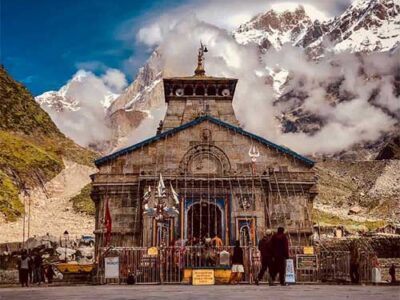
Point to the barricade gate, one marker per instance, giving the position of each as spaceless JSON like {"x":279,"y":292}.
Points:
{"x":167,"y":265}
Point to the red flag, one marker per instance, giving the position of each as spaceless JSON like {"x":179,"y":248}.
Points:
{"x":107,"y":223}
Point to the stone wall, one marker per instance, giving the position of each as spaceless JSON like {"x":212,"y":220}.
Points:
{"x":207,"y":150}
{"x":385,"y":264}
{"x":9,"y":276}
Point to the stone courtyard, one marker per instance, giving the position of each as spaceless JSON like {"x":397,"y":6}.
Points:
{"x":114,"y":292}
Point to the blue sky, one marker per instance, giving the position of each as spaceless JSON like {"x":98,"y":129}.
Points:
{"x":44,"y":42}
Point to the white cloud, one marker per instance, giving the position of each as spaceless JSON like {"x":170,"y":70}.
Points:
{"x":115,"y":79}
{"x":150,"y":35}
{"x":92,"y":94}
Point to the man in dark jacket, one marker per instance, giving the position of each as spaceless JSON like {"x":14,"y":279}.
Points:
{"x":280,"y":251}
{"x":265,"y":247}
{"x":37,"y":268}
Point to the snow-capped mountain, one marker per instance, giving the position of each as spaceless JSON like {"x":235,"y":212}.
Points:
{"x":367,"y":25}
{"x":69,"y":96}
{"x":273,"y":29}
{"x":82,"y":103}
{"x":146,"y":91}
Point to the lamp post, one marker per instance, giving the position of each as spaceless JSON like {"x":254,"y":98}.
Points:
{"x":66,"y":234}
{"x":26,"y":195}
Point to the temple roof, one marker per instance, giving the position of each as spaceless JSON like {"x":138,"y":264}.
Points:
{"x":199,"y":120}
{"x":199,"y":78}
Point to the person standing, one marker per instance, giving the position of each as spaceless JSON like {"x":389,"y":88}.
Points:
{"x":265,"y":247}
{"x":392,"y":273}
{"x":280,"y":252}
{"x":237,"y":264}
{"x":49,"y":274}
{"x":37,"y":268}
{"x":354,"y":263}
{"x":217,"y":242}
{"x":23,"y":268}
{"x":30,"y":271}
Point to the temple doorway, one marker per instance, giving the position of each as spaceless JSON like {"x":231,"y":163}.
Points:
{"x":204,"y":220}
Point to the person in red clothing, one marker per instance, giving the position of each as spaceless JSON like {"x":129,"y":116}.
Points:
{"x":280,"y":252}
{"x":265,"y":247}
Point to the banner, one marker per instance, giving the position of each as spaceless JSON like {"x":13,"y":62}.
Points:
{"x":107,"y":223}
{"x":111,"y":267}
{"x":290,"y":276}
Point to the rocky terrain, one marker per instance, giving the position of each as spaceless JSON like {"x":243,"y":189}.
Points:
{"x":51,"y":208}
{"x":364,"y":194}
{"x":364,"y":27}
{"x":32,"y":153}
{"x":272,"y":29}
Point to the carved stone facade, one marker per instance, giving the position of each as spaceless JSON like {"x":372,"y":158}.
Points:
{"x":204,"y":156}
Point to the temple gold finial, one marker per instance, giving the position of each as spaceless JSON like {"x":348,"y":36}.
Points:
{"x":200,"y":61}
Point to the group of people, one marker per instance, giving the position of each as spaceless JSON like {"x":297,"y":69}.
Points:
{"x":32,"y":270}
{"x":274,"y":250}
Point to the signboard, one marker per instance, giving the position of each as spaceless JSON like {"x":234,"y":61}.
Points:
{"x":203,"y":277}
{"x":224,"y":258}
{"x":308,"y":250}
{"x":290,"y":277}
{"x":111,"y":267}
{"x":152,"y":251}
{"x":306,"y":262}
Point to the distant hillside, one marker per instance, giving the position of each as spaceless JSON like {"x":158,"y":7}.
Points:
{"x":31,"y":146}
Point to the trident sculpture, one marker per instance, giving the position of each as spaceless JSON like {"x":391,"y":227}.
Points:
{"x":161,"y":210}
{"x":254,"y":153}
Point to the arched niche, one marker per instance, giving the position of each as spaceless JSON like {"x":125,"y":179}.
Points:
{"x":211,"y":90}
{"x":188,"y":91}
{"x":200,"y":90}
{"x":205,"y":159}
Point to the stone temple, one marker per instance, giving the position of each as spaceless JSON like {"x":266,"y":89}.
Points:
{"x":211,"y":176}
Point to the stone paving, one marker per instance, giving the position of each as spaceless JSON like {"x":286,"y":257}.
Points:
{"x":176,"y":292}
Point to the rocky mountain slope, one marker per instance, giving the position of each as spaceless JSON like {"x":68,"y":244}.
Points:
{"x":367,"y":25}
{"x":370,"y":188}
{"x":32,"y":150}
{"x":273,"y":29}
{"x":51,"y":208}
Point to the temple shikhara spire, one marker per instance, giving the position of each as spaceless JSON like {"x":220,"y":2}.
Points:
{"x":200,"y":71}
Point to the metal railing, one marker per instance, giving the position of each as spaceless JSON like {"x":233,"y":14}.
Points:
{"x":169,"y":264}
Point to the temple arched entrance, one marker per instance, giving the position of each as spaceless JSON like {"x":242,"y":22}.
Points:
{"x":204,"y":219}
